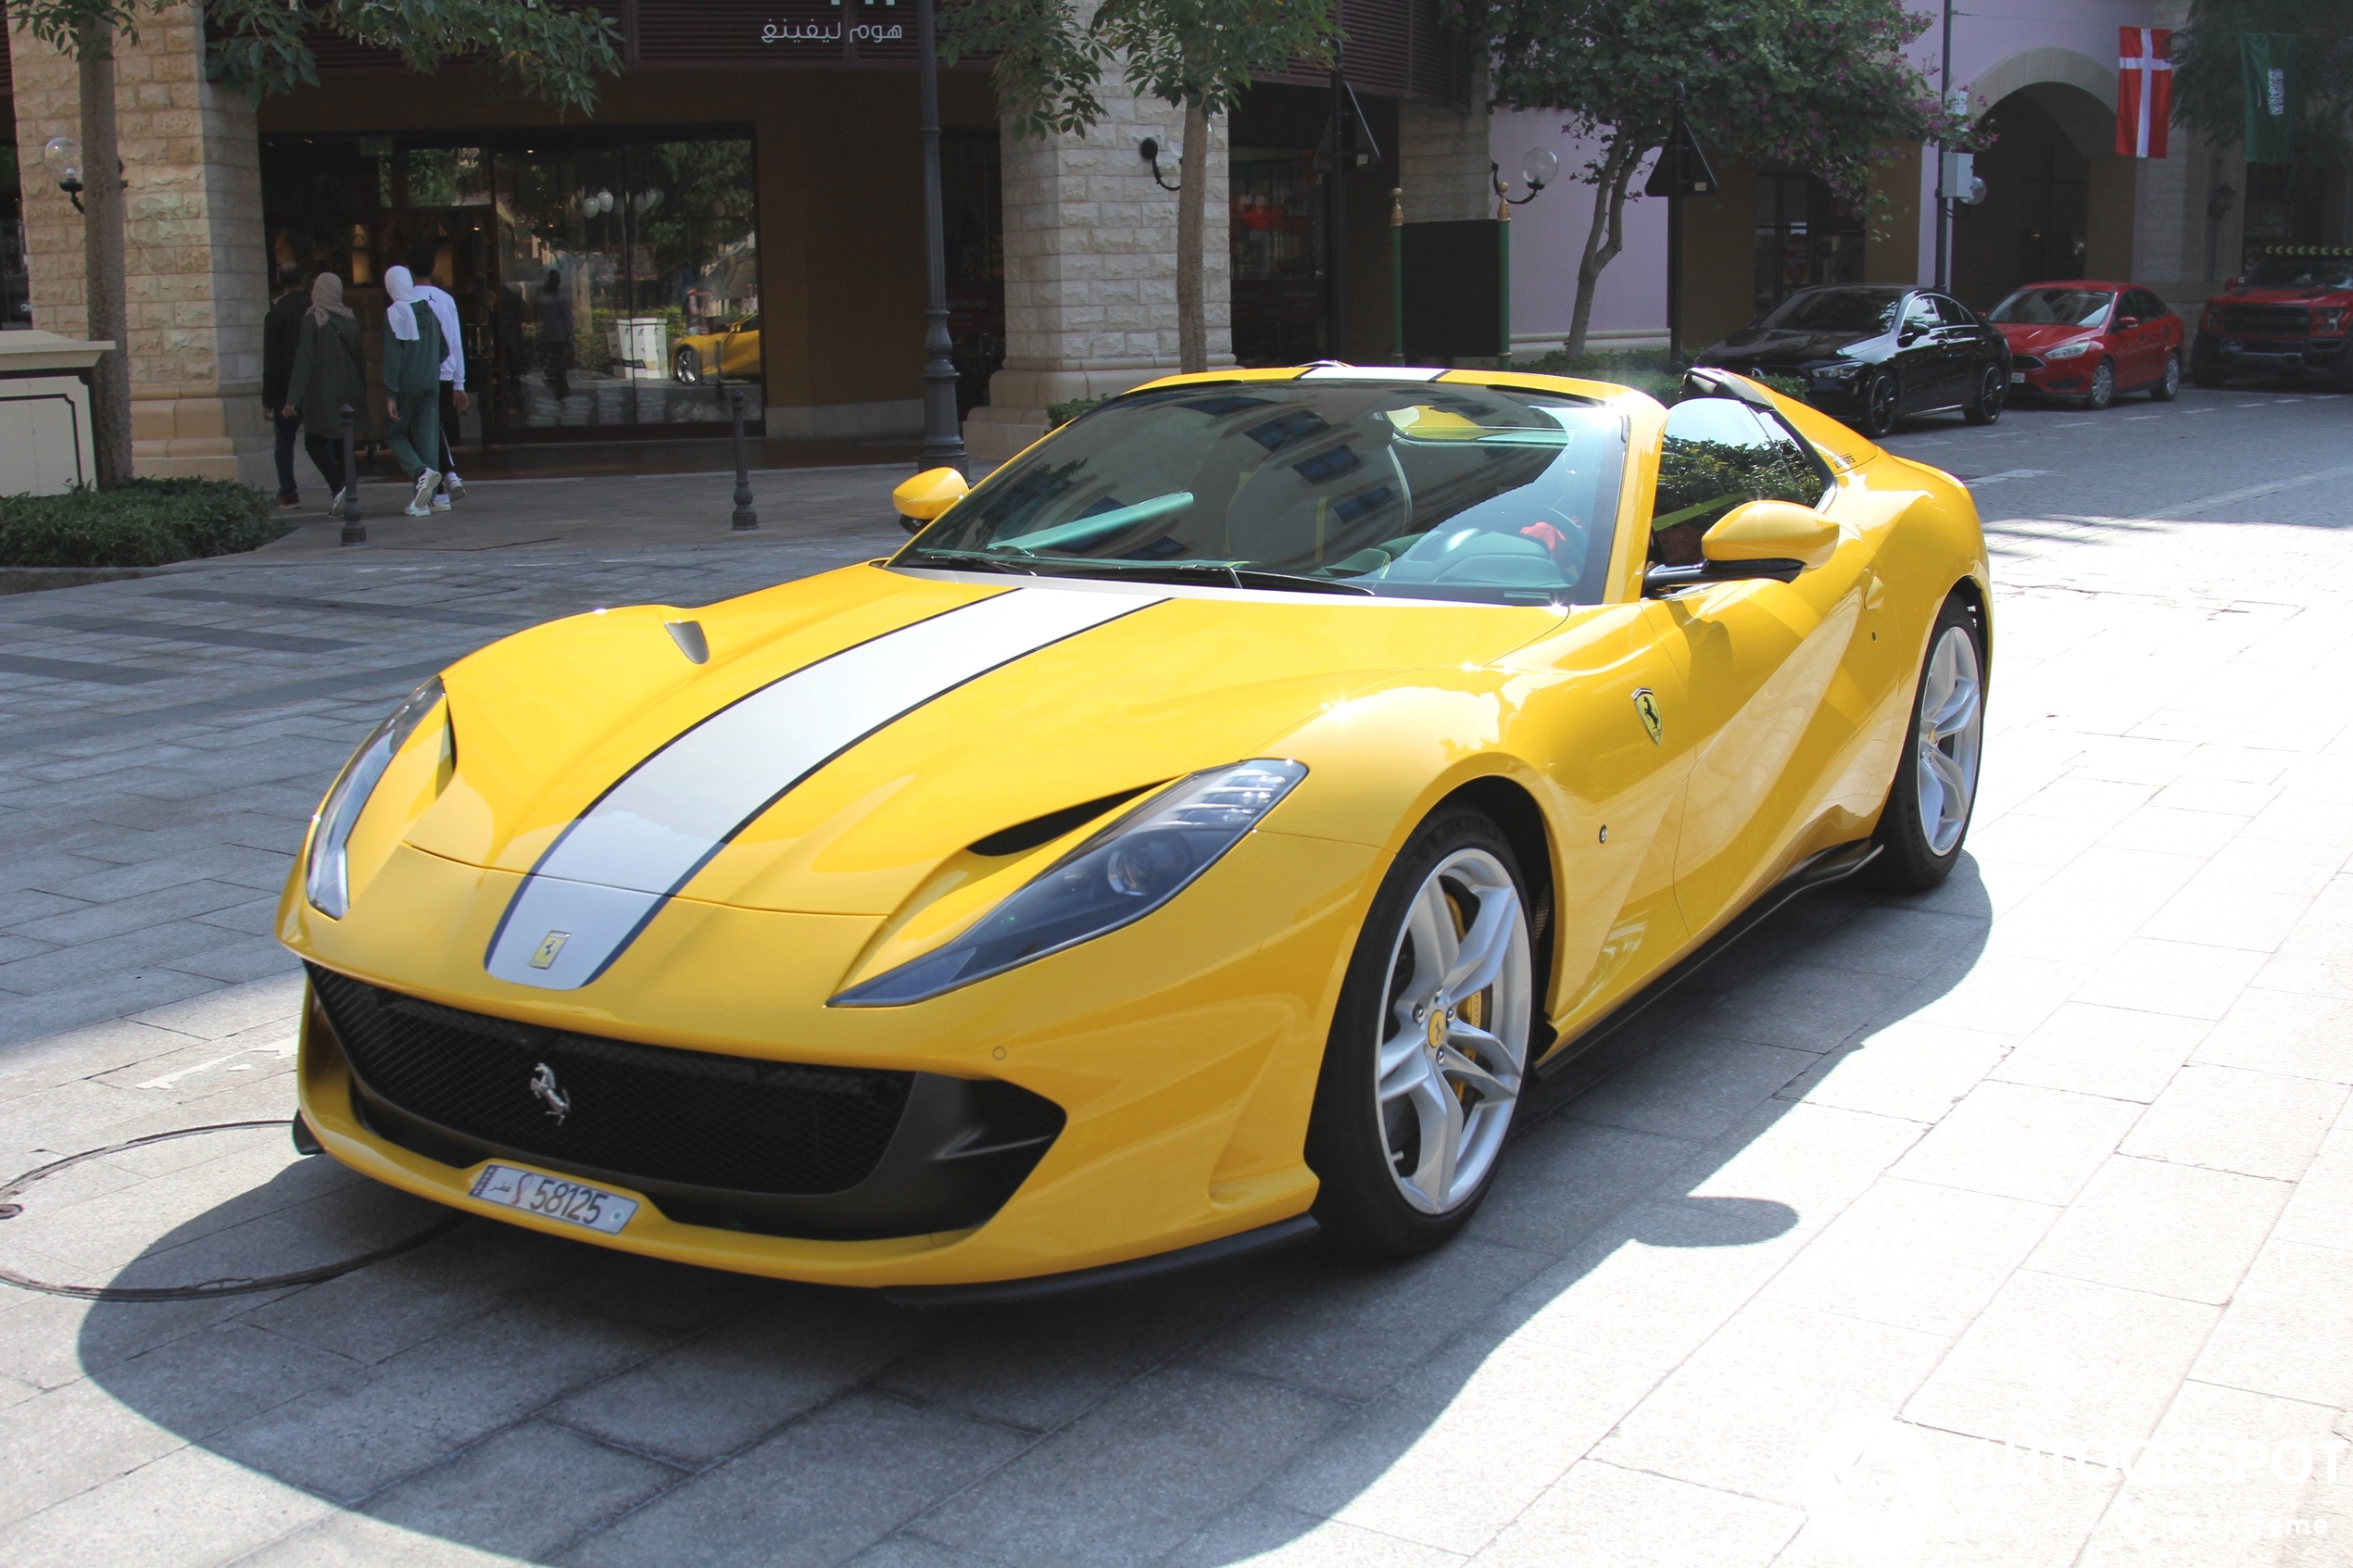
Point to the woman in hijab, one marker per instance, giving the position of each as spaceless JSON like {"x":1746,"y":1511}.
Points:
{"x":330,"y":375}
{"x":413,"y":353}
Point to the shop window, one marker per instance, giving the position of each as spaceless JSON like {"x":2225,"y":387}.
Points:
{"x":1277,"y":213}
{"x":608,"y":281}
{"x":1804,"y":235}
{"x":972,"y":193}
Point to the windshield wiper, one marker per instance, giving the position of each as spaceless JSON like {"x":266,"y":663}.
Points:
{"x":968,"y":561}
{"x":1194,"y":570}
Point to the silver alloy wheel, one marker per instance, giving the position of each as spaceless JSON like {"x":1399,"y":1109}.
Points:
{"x":1952,"y":725}
{"x":2103,"y":391}
{"x":2172,"y":374}
{"x":1460,"y":993}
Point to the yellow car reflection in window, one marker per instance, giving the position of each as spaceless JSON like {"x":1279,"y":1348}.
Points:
{"x":732,"y":351}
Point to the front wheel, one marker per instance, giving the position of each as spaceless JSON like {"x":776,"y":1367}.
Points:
{"x":2169,"y":385}
{"x":687,"y":365}
{"x":1927,"y":815}
{"x":1878,"y":399}
{"x":1428,"y":1047}
{"x":2103,"y":391}
{"x":1992,"y":389}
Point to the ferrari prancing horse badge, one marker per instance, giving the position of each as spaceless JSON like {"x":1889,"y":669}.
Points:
{"x":1648,"y":706}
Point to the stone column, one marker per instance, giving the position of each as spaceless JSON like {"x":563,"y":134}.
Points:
{"x":1091,"y":268}
{"x":1443,"y":157}
{"x":194,"y":264}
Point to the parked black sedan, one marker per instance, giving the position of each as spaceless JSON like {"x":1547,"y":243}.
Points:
{"x":1874,"y":353}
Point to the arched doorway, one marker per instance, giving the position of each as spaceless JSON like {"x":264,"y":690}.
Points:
{"x":2058,"y":203}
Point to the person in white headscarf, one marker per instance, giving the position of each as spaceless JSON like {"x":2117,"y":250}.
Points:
{"x":413,"y":352}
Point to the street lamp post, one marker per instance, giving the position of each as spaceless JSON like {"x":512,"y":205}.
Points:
{"x":1537,"y":168}
{"x":943,"y":440}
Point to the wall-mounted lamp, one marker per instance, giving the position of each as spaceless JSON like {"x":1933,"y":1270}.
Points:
{"x":63,"y":156}
{"x":1539,"y":169}
{"x":1148,"y":150}
{"x":2225,"y":197}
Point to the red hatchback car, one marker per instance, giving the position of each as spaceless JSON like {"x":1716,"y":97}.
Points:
{"x":2090,"y":341}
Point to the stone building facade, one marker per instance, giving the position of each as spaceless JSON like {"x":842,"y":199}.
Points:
{"x":196,"y":279}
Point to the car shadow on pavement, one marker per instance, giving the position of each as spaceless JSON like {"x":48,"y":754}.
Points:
{"x":541,"y":1400}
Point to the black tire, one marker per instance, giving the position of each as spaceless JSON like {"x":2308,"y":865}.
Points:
{"x":2169,"y":381}
{"x":1909,"y":861}
{"x":2103,"y":391}
{"x":1992,"y":391}
{"x":2206,"y":363}
{"x":1352,"y":1147}
{"x":1878,"y":400}
{"x":686,"y":366}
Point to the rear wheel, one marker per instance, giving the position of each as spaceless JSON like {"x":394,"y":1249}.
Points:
{"x":1927,"y":815}
{"x":2103,"y":391}
{"x":2169,"y":385}
{"x":1879,"y":400}
{"x":1992,"y":389}
{"x":1428,"y":1047}
{"x":687,"y":365}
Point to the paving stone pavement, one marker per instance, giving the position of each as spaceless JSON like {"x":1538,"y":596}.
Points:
{"x":2035,"y":1192}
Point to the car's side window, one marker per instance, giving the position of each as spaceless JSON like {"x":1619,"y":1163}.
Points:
{"x":1920,"y":314}
{"x":1954,"y":313}
{"x":1720,"y":453}
{"x":2144,"y":304}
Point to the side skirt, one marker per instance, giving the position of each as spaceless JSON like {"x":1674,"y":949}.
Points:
{"x":1820,"y":871}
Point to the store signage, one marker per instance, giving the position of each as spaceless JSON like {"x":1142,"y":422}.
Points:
{"x":823,"y":30}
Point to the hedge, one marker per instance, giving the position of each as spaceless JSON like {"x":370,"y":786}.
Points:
{"x":141,"y":522}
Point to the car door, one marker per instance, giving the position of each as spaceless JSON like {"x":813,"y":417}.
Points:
{"x":1968,"y":347}
{"x":2148,"y":336}
{"x":739,"y":350}
{"x":1922,"y":359}
{"x":1760,"y":656}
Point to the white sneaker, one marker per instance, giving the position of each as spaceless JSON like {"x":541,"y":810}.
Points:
{"x":452,"y":486}
{"x":334,"y":508}
{"x":413,"y":511}
{"x":439,"y":504}
{"x":427,"y":482}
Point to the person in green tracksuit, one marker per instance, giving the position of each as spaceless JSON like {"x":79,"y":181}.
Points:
{"x":413,"y":352}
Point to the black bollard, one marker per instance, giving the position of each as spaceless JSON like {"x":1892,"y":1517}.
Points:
{"x":353,"y":530}
{"x":744,"y":517}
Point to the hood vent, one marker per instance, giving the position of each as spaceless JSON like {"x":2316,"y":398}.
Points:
{"x":688,"y":635}
{"x":1052,"y":825}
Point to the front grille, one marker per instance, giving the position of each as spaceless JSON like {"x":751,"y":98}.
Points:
{"x":690,"y":1118}
{"x":2267,"y":321}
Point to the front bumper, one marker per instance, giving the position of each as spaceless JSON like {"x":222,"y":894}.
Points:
{"x":1182,"y":1052}
{"x":2060,"y":378}
{"x":2272,"y":353}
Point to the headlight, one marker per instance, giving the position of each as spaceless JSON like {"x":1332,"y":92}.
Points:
{"x":324,"y":879}
{"x":1845,"y":370}
{"x":2070,"y":350}
{"x":1119,"y":876}
{"x":2329,"y":320}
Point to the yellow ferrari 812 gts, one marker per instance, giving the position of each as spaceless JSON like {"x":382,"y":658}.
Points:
{"x":1212,"y":828}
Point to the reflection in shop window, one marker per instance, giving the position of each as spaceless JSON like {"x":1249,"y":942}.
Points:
{"x":1804,"y":235}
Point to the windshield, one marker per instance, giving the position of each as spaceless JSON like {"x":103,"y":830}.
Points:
{"x":1836,"y":310}
{"x":2302,"y":271}
{"x":1410,"y":490}
{"x":2053,"y":307}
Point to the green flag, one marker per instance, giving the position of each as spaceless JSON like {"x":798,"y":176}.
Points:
{"x":2267,"y":70}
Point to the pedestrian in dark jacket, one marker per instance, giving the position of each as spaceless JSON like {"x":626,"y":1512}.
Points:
{"x":329,"y":380}
{"x":413,"y":386}
{"x":553,"y":310}
{"x":280,"y":334}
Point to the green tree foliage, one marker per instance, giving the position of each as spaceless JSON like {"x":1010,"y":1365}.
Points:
{"x":556,"y":54}
{"x":2208,"y":94}
{"x":1197,"y":55}
{"x":1814,"y":84}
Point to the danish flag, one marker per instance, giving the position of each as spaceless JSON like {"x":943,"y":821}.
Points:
{"x":2144,"y":91}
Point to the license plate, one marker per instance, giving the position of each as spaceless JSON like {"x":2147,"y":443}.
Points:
{"x":2017,"y":377}
{"x":575,"y":1203}
{"x":2232,"y":346}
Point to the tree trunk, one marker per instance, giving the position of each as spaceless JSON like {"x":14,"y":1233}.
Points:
{"x":1192,"y":212}
{"x":104,"y":311}
{"x":1603,"y":240}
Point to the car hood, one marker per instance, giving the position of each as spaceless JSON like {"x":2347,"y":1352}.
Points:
{"x":849,"y":735}
{"x":2040,"y":336}
{"x":1766,"y":347}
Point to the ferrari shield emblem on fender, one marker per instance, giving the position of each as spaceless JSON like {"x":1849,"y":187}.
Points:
{"x":1648,"y":706}
{"x":553,"y":943}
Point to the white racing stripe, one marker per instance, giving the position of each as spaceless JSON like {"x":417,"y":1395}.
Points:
{"x":614,"y":867}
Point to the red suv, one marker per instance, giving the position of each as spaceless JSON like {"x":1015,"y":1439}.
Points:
{"x":2090,"y":340}
{"x":2287,"y":316}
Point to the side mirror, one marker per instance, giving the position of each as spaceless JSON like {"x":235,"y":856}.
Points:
{"x":923,"y":497}
{"x":1908,"y":336}
{"x":2126,"y":323}
{"x":1774,"y":539}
